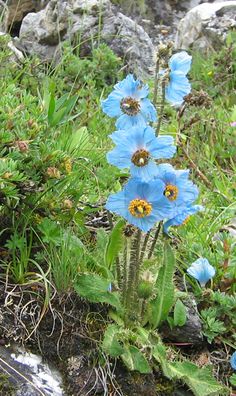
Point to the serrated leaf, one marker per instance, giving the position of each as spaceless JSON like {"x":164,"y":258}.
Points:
{"x":199,"y":380}
{"x":180,"y":313}
{"x":114,"y":243}
{"x":162,"y":304}
{"x":110,"y":344}
{"x":135,"y":360}
{"x":95,"y":289}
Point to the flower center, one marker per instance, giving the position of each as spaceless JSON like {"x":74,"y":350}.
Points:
{"x":140,"y":157}
{"x":140,"y":208}
{"x":130,"y":106}
{"x":171,"y":192}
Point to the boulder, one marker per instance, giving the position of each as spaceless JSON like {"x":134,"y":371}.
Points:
{"x":206,"y":26}
{"x":4,"y":13}
{"x":18,"y":9}
{"x":86,"y":22}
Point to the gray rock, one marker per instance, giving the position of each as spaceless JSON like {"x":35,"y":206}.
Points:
{"x":206,"y":26}
{"x":41,"y":33}
{"x":191,"y":332}
{"x":4,"y":13}
{"x":18,"y":9}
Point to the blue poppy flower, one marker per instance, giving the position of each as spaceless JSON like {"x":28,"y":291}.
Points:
{"x":202,"y":271}
{"x":141,"y":203}
{"x":233,"y":361}
{"x":182,"y":217}
{"x":179,"y":85}
{"x":128,"y":102}
{"x":179,"y":190}
{"x":137,"y":148}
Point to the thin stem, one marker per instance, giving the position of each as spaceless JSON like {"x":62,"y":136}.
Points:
{"x":133,"y":273}
{"x":155,"y":240}
{"x":163,"y":96}
{"x":143,"y":249}
{"x":109,"y":216}
{"x":156,"y":80}
{"x":118,"y":272}
{"x":125,"y":267}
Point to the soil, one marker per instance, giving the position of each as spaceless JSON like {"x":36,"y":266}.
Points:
{"x":68,"y":335}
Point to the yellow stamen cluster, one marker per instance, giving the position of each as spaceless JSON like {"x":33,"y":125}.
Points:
{"x":130,"y":106}
{"x":171,"y":192}
{"x":140,"y":157}
{"x":140,"y":208}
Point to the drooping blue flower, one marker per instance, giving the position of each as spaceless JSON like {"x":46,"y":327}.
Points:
{"x":179,"y":86}
{"x":202,"y":270}
{"x":128,"y":102}
{"x":233,"y":361}
{"x":179,"y":190}
{"x":182,"y":217}
{"x":136,"y":149}
{"x":141,"y":203}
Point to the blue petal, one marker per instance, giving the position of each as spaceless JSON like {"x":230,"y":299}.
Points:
{"x":126,"y":122}
{"x":116,"y":203}
{"x":111,"y":105}
{"x":181,"y":217}
{"x":162,"y":147}
{"x":177,"y":88}
{"x":181,"y":62}
{"x":146,"y":172}
{"x":233,"y":361}
{"x":148,"y":110}
{"x":128,"y":86}
{"x":202,"y":271}
{"x":119,"y":158}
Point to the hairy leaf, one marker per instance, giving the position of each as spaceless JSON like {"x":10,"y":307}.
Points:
{"x":95,"y":289}
{"x":135,"y":360}
{"x":110,"y":344}
{"x":180,"y":315}
{"x":162,"y":304}
{"x":115,"y":243}
{"x":199,"y":380}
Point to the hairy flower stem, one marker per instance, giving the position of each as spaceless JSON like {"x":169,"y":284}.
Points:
{"x":133,"y":275}
{"x":156,"y":80}
{"x":163,"y":96}
{"x":155,"y":240}
{"x":118,"y":272}
{"x":144,"y":246}
{"x":126,"y":252}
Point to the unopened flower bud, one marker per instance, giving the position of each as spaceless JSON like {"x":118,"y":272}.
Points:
{"x":67,"y":204}
{"x":22,"y":145}
{"x":68,"y":165}
{"x":53,"y":172}
{"x":145,"y":289}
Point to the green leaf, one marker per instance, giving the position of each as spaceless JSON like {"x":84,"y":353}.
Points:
{"x":180,"y":313}
{"x":162,"y":304}
{"x":135,"y":360}
{"x":233,"y":380}
{"x":110,"y":344}
{"x":95,"y":289}
{"x":114,"y":243}
{"x":199,"y":380}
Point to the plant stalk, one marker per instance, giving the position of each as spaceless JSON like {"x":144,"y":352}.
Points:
{"x":163,"y":96}
{"x":155,"y":240}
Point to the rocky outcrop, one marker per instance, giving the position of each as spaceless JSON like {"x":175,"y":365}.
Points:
{"x":87,"y":22}
{"x":3,"y":16}
{"x":18,"y":9}
{"x":206,"y":26}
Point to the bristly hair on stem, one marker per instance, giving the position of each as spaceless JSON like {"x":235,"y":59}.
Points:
{"x":163,"y":95}
{"x":151,"y":251}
